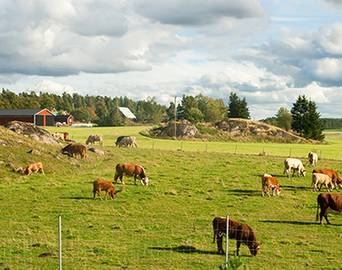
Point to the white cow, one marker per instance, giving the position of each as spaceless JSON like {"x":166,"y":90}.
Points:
{"x":127,"y":141}
{"x":295,"y":165}
{"x":312,"y":156}
{"x":322,"y":179}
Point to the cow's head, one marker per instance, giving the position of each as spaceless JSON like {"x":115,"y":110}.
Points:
{"x":303,"y":171}
{"x":145,"y":181}
{"x":18,"y":170}
{"x":254,"y":247}
{"x":112,"y":194}
{"x":278,"y":191}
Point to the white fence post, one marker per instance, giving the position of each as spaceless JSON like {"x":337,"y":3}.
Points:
{"x":60,"y":240}
{"x":227,"y":230}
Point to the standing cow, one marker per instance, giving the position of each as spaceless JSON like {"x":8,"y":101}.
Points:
{"x":95,"y":138}
{"x":241,"y":232}
{"x":269,"y":182}
{"x":131,"y":170}
{"x":312,"y":157}
{"x":294,"y":165}
{"x":329,"y":203}
{"x":127,"y":141}
{"x":332,"y":174}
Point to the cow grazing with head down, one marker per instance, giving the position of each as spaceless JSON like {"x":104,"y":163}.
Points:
{"x":312,"y":156}
{"x":329,"y":203}
{"x":99,"y":185}
{"x":332,"y":174}
{"x":241,"y":232}
{"x":268,"y":182}
{"x":95,"y":138}
{"x":131,"y":170}
{"x":322,"y":179}
{"x":29,"y":169}
{"x":127,"y":142}
{"x":74,"y":149}
{"x":294,"y":165}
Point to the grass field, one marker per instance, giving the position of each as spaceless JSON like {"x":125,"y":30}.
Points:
{"x":168,"y":224}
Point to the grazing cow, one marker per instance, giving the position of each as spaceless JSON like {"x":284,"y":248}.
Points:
{"x":295,"y":165}
{"x":131,"y":170}
{"x":74,"y":149}
{"x":312,"y":156}
{"x":58,"y":135}
{"x":269,"y":182}
{"x":99,"y":185}
{"x":119,"y":139}
{"x":322,"y":179}
{"x":241,"y":232}
{"x":95,"y":138}
{"x":66,"y":136}
{"x":332,"y":174}
{"x":35,"y":167}
{"x":329,"y":203}
{"x":127,"y":141}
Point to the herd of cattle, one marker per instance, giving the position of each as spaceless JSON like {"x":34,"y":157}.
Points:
{"x":242,"y":233}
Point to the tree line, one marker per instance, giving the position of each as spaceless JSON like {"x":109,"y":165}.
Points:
{"x":303,"y":117}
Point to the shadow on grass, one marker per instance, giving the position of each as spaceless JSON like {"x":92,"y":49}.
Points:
{"x":77,"y":198}
{"x":298,"y":222}
{"x":185,"y":249}
{"x":239,"y":192}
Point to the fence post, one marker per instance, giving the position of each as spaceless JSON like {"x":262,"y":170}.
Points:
{"x":60,"y":240}
{"x":227,"y":233}
{"x":206,"y":147}
{"x":235,"y":149}
{"x":290,"y":151}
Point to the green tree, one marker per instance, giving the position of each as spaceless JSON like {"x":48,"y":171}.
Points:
{"x":284,"y":118}
{"x":213,"y":110}
{"x":306,"y":120}
{"x":237,"y":108}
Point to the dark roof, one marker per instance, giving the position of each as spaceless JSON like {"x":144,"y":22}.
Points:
{"x":63,"y":116}
{"x":14,"y":112}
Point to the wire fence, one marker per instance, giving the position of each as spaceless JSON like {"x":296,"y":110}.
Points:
{"x":99,"y":243}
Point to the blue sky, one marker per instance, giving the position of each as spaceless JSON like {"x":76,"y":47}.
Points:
{"x":266,"y":51}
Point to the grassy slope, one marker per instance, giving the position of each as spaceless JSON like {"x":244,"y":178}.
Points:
{"x":166,"y":224}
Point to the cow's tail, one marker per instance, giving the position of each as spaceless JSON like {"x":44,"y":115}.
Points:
{"x":318,"y":199}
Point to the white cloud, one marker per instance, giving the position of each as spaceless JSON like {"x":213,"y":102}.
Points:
{"x":52,"y":87}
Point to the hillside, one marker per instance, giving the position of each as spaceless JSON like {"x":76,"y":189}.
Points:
{"x":233,"y":129}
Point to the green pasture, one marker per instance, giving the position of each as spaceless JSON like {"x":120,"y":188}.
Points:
{"x":167,"y":224}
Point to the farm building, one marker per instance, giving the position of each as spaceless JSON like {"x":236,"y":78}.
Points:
{"x":64,"y":119}
{"x":122,"y":113}
{"x":39,"y":117}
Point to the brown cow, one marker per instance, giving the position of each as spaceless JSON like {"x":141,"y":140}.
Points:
{"x":241,"y":232}
{"x":75,"y":149}
{"x":332,"y":174}
{"x":35,"y":167}
{"x":329,"y":203}
{"x":99,"y":185}
{"x":131,"y":170}
{"x":269,"y":182}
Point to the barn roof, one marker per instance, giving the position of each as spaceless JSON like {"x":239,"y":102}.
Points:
{"x":127,"y":112}
{"x":15,"y":112}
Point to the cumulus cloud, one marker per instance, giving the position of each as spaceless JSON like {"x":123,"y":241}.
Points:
{"x":52,"y":87}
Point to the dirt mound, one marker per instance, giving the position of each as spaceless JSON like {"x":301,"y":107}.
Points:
{"x":32,"y":131}
{"x":243,"y":127}
{"x":183,"y":130}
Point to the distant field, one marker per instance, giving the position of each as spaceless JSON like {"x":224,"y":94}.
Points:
{"x":168,"y":224}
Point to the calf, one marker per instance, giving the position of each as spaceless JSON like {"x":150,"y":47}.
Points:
{"x":312,"y":156}
{"x":322,"y":179}
{"x":269,"y":182}
{"x":99,"y":185}
{"x":35,"y":167}
{"x":74,"y":149}
{"x":241,"y":232}
{"x":132,"y":170}
{"x":329,"y":203}
{"x":295,"y":165}
{"x":332,"y":174}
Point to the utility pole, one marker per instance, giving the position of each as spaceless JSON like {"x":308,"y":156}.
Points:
{"x":175,"y":118}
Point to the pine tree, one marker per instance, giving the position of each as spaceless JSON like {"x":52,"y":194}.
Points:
{"x":306,"y":120}
{"x":237,"y":108}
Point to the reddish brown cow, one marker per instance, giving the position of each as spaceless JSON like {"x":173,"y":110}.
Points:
{"x":329,"y":203}
{"x":74,"y":149}
{"x":269,"y":182}
{"x":99,"y":185}
{"x":241,"y":232}
{"x":131,"y":170}
{"x":332,"y":174}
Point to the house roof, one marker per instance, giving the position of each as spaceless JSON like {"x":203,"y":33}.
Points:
{"x":16,"y":112}
{"x":127,"y":112}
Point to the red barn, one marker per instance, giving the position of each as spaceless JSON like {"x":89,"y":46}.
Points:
{"x":64,"y":119}
{"x":39,"y":117}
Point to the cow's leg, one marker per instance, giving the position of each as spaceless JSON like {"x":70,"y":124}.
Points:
{"x":273,"y":191}
{"x":99,"y":192}
{"x":106,"y":194}
{"x":122,"y":182}
{"x":94,"y":191}
{"x":116,"y":179}
{"x":238,"y":243}
{"x":135,"y":180}
{"x":219,"y":243}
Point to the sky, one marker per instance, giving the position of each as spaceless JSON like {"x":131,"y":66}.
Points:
{"x":266,"y":51}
